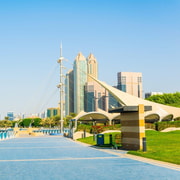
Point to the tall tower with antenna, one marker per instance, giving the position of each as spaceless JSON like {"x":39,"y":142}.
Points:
{"x":80,"y":79}
{"x":61,"y":87}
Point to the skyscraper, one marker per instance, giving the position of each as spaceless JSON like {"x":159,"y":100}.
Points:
{"x":80,"y":79}
{"x":130,"y":82}
{"x":69,"y":92}
{"x":95,"y":95}
{"x":10,"y":115}
{"x":53,"y":112}
{"x":82,"y":92}
{"x":92,"y":67}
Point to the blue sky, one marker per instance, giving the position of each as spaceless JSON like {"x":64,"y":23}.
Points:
{"x":124,"y":35}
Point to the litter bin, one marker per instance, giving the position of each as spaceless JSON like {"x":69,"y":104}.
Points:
{"x":100,"y":139}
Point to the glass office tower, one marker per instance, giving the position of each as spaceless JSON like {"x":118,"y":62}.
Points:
{"x":80,"y":79}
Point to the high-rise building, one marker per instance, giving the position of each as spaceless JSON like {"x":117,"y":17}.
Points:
{"x":80,"y":79}
{"x":113,"y":103}
{"x":130,"y":82}
{"x":82,"y":92}
{"x":94,"y":93}
{"x":10,"y":116}
{"x":92,"y":67}
{"x":53,"y":112}
{"x":95,"y":97}
{"x":69,"y":92}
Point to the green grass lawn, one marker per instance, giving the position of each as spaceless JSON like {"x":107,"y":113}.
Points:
{"x":90,"y":140}
{"x":163,"y":146}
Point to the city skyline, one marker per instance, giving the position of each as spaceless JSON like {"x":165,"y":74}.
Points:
{"x":123,"y":35}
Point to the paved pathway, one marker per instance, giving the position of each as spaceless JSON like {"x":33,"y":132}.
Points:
{"x":58,"y":158}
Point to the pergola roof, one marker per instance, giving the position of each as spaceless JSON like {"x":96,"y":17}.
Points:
{"x":99,"y":115}
{"x":159,"y":112}
{"x":129,"y":100}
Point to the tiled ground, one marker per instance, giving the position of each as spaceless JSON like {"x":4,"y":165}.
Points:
{"x":59,"y":158}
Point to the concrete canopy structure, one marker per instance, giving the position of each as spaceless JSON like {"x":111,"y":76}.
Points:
{"x":159,"y":112}
{"x":96,"y":116}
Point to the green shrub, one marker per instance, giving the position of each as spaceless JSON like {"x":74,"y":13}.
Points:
{"x":86,"y":127}
{"x":98,"y":128}
{"x":177,"y":119}
{"x":163,"y":125}
{"x":149,"y":126}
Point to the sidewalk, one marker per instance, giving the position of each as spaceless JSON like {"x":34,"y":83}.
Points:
{"x":138,"y":158}
{"x":58,"y":158}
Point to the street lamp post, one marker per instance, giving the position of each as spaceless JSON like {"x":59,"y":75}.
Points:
{"x":61,"y":87}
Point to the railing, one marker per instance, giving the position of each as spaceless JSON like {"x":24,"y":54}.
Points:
{"x":51,"y":131}
{"x":7,"y":134}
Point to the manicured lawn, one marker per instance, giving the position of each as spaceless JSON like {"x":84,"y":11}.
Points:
{"x":163,"y":146}
{"x":90,"y":140}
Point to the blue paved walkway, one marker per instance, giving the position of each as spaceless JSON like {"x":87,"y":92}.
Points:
{"x":58,"y":158}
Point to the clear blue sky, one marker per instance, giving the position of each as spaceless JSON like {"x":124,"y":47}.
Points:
{"x":124,"y":35}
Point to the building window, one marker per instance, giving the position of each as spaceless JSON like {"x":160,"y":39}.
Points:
{"x":123,"y":80}
{"x":123,"y":87}
{"x":139,"y":79}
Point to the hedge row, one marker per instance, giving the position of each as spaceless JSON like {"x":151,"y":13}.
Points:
{"x":97,"y":129}
{"x":159,"y":126}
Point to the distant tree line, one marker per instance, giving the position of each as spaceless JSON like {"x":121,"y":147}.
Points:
{"x":171,"y":99}
{"x":48,"y":122}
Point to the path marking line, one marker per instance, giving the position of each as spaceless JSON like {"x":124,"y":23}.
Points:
{"x":37,"y":142}
{"x":1,"y":148}
{"x":59,"y":159}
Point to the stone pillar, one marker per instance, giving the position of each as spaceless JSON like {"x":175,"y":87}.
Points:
{"x":133,"y":128}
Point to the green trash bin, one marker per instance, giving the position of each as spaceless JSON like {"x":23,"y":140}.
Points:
{"x":100,"y":139}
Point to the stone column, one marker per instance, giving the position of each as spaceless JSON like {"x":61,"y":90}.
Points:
{"x":133,"y":128}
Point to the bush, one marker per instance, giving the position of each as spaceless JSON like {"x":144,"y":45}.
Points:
{"x":149,"y":126}
{"x":163,"y":125}
{"x":177,"y":119}
{"x":97,"y":129}
{"x":82,"y":127}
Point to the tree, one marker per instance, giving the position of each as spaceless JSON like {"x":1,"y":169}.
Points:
{"x":26,"y":122}
{"x":172,"y":99}
{"x":36,"y":122}
{"x":47,"y":122}
{"x":68,"y":118}
{"x":6,"y":118}
{"x":56,"y":120}
{"x":6,"y":123}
